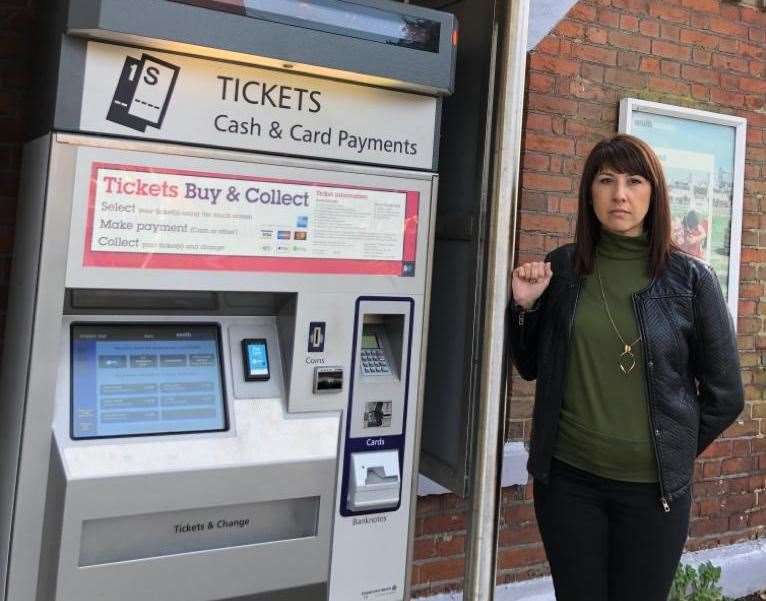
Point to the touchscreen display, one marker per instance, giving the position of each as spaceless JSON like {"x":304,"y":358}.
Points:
{"x":256,"y":356}
{"x":130,"y":380}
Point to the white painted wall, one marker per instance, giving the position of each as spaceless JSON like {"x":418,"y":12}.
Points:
{"x":543,"y":16}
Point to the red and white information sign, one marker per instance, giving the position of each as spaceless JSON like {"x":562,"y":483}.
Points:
{"x":150,"y":218}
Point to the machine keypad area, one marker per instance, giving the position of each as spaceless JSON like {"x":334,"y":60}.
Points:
{"x":374,"y":363}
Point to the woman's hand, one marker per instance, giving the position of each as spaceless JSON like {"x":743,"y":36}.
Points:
{"x":529,"y":281}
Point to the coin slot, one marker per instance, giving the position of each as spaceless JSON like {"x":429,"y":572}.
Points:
{"x":328,"y":379}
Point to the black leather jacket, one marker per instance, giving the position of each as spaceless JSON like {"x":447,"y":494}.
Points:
{"x":693,"y":381}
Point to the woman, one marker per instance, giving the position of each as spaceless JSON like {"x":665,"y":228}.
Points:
{"x":637,"y":373}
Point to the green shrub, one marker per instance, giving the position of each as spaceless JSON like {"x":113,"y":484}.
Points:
{"x":697,"y":585}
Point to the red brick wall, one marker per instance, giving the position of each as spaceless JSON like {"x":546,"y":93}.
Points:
{"x":704,"y":54}
{"x":18,"y":22}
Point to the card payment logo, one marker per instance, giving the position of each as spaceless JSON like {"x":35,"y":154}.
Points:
{"x":143,"y":93}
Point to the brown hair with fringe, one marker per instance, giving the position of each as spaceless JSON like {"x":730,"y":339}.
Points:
{"x":627,"y":154}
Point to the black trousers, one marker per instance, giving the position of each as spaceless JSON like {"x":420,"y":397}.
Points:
{"x":608,"y":540}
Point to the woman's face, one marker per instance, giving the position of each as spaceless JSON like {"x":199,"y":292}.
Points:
{"x":621,"y":201}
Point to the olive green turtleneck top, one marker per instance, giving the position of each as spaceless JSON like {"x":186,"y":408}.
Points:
{"x":604,"y":426}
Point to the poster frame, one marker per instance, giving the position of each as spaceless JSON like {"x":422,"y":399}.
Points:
{"x":630,"y":105}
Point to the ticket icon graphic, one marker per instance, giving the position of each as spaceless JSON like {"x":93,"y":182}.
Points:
{"x":143,"y":93}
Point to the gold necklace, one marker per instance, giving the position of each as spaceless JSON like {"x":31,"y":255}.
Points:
{"x":627,"y":360}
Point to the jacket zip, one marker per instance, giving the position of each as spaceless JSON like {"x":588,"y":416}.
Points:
{"x":663,"y":498}
{"x":574,"y":311}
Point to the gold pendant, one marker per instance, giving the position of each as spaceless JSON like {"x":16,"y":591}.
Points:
{"x":627,"y":360}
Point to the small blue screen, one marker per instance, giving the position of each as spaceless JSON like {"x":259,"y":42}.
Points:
{"x":131,"y":380}
{"x":257,"y":359}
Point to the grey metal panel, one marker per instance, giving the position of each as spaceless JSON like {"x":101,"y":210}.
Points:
{"x":144,"y":536}
{"x":451,"y":392}
{"x":44,"y":297}
{"x":337,"y":312}
{"x":306,"y":593}
{"x":437,"y":134}
{"x":486,"y":461}
{"x":419,"y":414}
{"x":367,"y":555}
{"x":53,"y":520}
{"x":285,"y":331}
{"x":446,"y":422}
{"x":264,"y":327}
{"x":148,"y":20}
{"x":48,"y":355}
{"x":266,"y":455}
{"x":45,"y":76}
{"x":204,"y":574}
{"x":271,"y":446}
{"x":18,"y":335}
{"x":175,"y":302}
{"x":71,"y":78}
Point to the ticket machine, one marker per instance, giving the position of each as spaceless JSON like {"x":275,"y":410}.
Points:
{"x":213,"y":363}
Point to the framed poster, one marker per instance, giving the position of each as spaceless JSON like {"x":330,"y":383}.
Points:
{"x":703,"y":156}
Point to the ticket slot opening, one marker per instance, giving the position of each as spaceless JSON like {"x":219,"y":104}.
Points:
{"x":82,"y":301}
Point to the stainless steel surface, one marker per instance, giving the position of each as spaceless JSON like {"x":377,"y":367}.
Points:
{"x":356,"y":573}
{"x":142,"y":536}
{"x":267,"y":462}
{"x":421,"y":386}
{"x":482,"y":532}
{"x":44,"y":282}
{"x":115,"y":478}
{"x":103,"y":479}
{"x":20,"y":324}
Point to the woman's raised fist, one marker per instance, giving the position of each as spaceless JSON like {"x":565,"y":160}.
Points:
{"x":529,"y":281}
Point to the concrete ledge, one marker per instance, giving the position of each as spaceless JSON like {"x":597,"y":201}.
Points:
{"x":514,"y":471}
{"x":743,"y":572}
{"x":743,"y":566}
